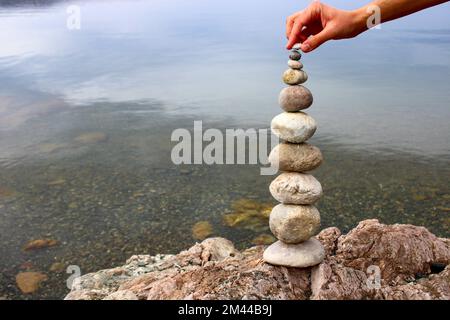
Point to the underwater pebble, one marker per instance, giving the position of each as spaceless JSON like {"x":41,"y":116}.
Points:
{"x":296,"y":188}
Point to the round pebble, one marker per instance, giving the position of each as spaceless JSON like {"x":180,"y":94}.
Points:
{"x":295,"y":55}
{"x":294,"y":224}
{"x":295,"y":98}
{"x":293,"y":77}
{"x":297,"y":46}
{"x":293,"y":127}
{"x":296,"y":157}
{"x":293,"y":64}
{"x":296,"y":188}
{"x":301,"y":255}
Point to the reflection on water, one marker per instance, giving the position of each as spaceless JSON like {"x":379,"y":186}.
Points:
{"x":86,"y":118}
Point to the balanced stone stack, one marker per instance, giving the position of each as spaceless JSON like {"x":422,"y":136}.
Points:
{"x":296,"y":220}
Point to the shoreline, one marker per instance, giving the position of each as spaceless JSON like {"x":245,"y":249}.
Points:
{"x":411,"y":262}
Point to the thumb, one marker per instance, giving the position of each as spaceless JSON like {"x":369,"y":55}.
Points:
{"x":316,"y":40}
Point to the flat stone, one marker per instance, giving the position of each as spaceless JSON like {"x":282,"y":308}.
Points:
{"x":297,"y":46}
{"x":296,"y":157}
{"x":295,"y":55}
{"x":293,"y":64}
{"x":301,"y":255}
{"x":296,"y":188}
{"x":295,"y":98}
{"x":293,"y":77}
{"x":293,"y":127}
{"x":294,"y":223}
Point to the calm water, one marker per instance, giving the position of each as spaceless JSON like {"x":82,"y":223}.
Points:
{"x":86,"y":117}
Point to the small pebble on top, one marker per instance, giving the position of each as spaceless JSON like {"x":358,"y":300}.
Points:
{"x":295,"y":55}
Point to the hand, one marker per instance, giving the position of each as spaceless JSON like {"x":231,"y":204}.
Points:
{"x":319,"y":23}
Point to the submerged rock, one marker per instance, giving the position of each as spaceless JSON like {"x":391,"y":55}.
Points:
{"x":264,"y":239}
{"x":28,"y":282}
{"x":248,"y":214}
{"x":57,"y":267}
{"x":40,"y":244}
{"x":7,"y":193}
{"x":51,"y":147}
{"x":201,"y":230}
{"x":214,"y":269}
{"x":91,"y":137}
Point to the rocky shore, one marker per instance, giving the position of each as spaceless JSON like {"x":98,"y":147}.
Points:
{"x":372,"y":261}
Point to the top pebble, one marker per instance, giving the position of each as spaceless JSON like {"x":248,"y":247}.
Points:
{"x":295,"y":55}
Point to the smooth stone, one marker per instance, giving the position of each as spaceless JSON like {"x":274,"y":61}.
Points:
{"x":296,"y":188}
{"x":293,"y":64}
{"x":293,"y":223}
{"x":293,"y":77}
{"x":295,"y":55}
{"x":301,"y":255}
{"x":295,"y":157}
{"x":297,"y":46}
{"x":28,"y":282}
{"x":295,"y":98}
{"x":293,"y":127}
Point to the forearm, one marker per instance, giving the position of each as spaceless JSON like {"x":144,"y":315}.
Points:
{"x":391,"y":10}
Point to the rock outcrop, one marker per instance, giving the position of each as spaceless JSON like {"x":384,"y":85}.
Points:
{"x":372,"y":261}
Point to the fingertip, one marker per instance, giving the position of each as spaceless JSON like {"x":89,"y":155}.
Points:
{"x":289,"y":45}
{"x":306,"y":47}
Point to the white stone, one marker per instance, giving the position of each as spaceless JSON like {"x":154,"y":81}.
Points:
{"x":296,"y":188}
{"x":301,"y":255}
{"x":294,"y":223}
{"x":295,"y":127}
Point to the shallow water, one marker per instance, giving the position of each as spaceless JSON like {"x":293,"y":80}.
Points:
{"x":137,"y":70}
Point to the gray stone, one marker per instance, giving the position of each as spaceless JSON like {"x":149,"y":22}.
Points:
{"x":297,"y":46}
{"x":296,"y":157}
{"x":293,"y":77}
{"x":295,"y":55}
{"x":294,"y":223}
{"x":295,"y":98}
{"x":293,"y":127}
{"x":301,"y":255}
{"x":293,"y":64}
{"x":296,"y":188}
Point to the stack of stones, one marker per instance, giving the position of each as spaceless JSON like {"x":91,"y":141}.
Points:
{"x":295,"y":220}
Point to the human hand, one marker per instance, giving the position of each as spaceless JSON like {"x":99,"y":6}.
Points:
{"x":319,"y":23}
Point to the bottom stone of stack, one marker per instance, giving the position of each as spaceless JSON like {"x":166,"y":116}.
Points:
{"x":301,"y":255}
